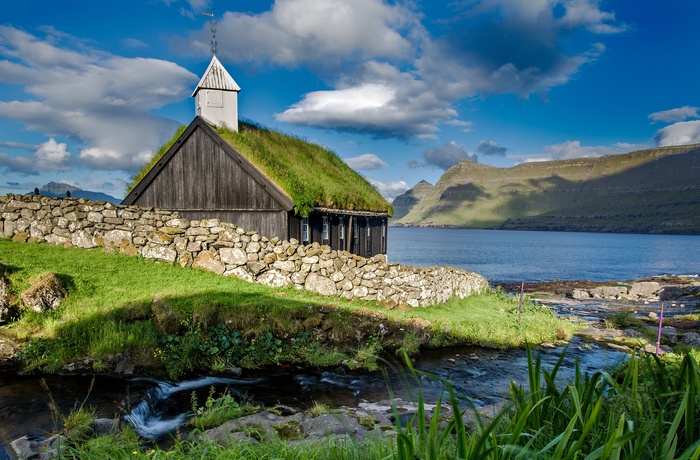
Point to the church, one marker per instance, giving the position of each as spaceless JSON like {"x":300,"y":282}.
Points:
{"x":278,"y":185}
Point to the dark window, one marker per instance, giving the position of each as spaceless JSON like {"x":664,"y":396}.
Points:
{"x":305,"y":230}
{"x":325,"y":236}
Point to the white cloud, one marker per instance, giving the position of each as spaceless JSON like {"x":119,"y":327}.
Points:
{"x":681,"y":133}
{"x":587,"y":13}
{"x":389,"y":190}
{"x":673,"y":115}
{"x":466,"y":126}
{"x":312,"y":32}
{"x":134,"y":43}
{"x":101,"y":100}
{"x":493,"y":47}
{"x":573,"y":149}
{"x":366,"y":162}
{"x":49,"y":156}
{"x":447,"y":155}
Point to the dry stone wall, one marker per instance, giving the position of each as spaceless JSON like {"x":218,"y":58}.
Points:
{"x":228,"y":250}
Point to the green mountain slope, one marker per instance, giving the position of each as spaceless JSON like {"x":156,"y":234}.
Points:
{"x":649,"y":191}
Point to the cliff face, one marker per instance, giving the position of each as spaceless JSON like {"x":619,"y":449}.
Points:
{"x":649,"y":191}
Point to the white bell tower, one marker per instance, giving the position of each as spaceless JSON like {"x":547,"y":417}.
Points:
{"x":216,"y":96}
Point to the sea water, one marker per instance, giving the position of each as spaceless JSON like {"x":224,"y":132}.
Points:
{"x":514,"y":256}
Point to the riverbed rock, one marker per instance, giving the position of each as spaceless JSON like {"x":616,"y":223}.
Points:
{"x":691,"y":338}
{"x":44,"y":293}
{"x":5,"y":300}
{"x":26,"y":448}
{"x":644,"y":290}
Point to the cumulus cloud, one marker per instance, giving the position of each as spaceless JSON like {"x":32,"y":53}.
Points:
{"x":389,"y":190}
{"x":319,"y":34}
{"x":491,"y":47}
{"x":681,"y":133}
{"x":673,"y":115}
{"x":447,"y":155}
{"x":366,"y":162}
{"x":111,"y":118}
{"x":50,"y":156}
{"x":490,"y":148}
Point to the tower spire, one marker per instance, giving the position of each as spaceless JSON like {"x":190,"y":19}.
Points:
{"x":212,"y":27}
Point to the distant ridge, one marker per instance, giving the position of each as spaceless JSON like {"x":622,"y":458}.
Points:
{"x":59,"y":189}
{"x":648,"y":191}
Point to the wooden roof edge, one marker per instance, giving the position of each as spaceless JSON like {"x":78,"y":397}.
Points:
{"x":352,"y":212}
{"x":155,"y":170}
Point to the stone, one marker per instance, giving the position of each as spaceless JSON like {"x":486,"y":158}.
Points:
{"x":159,"y":237}
{"x":82,"y":239}
{"x":162,"y":253}
{"x":5,"y":299}
{"x":255,"y":267}
{"x":206,"y":260}
{"x":117,"y":238}
{"x":320,"y":284}
{"x":233,"y":256}
{"x":691,"y":338}
{"x":275,"y":279}
{"x":284,"y":265}
{"x":240,"y":273}
{"x":580,"y":294}
{"x":644,"y":289}
{"x":44,"y":293}
{"x":332,"y":424}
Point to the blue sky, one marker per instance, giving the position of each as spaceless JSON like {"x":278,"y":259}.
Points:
{"x":400,"y":90}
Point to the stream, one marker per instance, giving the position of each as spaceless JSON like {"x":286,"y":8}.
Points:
{"x":158,"y":408}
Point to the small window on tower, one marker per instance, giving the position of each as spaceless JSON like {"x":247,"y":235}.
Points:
{"x":215,"y":98}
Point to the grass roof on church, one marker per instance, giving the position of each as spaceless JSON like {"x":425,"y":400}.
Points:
{"x":311,"y":175}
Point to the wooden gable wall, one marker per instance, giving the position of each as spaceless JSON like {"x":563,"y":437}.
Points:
{"x":202,"y":177}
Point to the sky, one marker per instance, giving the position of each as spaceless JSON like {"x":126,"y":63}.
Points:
{"x":400,"y":90}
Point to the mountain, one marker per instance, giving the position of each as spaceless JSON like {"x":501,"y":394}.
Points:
{"x":403,"y":203}
{"x":649,"y":191}
{"x":57,"y":189}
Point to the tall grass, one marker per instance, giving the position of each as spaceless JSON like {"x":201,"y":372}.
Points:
{"x":647,"y":411}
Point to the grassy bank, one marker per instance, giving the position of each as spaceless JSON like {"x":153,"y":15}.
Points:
{"x":183,"y":319}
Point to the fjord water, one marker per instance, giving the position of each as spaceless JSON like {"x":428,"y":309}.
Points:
{"x":514,"y":256}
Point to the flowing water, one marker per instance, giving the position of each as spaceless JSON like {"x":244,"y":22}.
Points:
{"x":158,"y":408}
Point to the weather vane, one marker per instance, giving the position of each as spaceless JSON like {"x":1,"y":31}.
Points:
{"x":212,"y":26}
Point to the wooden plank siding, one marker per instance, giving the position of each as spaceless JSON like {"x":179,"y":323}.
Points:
{"x":203,"y":177}
{"x":356,"y":241}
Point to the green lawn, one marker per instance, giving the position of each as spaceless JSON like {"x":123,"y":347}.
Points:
{"x":110,"y":309}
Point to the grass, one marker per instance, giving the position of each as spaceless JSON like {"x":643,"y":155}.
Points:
{"x":217,"y":410}
{"x":205,"y":321}
{"x":311,"y":175}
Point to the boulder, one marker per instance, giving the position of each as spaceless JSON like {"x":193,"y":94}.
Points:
{"x":644,"y":289}
{"x":206,"y":261}
{"x":320,"y":284}
{"x":580,"y":294}
{"x":45,"y":293}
